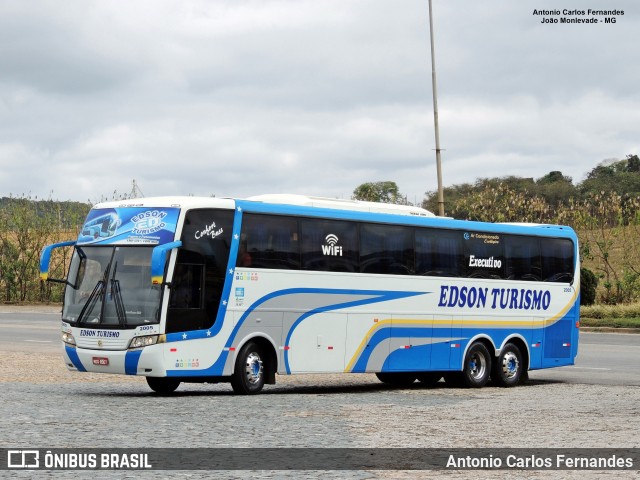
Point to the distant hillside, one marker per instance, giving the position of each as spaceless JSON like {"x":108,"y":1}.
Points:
{"x":66,"y":215}
{"x":620,"y":176}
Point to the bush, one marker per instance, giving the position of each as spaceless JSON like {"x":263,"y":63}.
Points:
{"x":588,"y":286}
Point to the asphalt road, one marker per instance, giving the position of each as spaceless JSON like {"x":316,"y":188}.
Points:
{"x":603,"y":358}
{"x":30,"y":331}
{"x":595,"y":404}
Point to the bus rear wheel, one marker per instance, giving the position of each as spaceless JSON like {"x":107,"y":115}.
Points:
{"x":163,"y":385}
{"x":248,"y":376}
{"x":508,"y":368}
{"x":399,"y":379}
{"x":476,"y":369}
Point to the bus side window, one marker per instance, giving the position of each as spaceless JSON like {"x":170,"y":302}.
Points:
{"x":522,"y":258}
{"x":386,"y":249}
{"x":439,"y":253}
{"x":186,"y":310}
{"x":484,"y":255}
{"x":186,"y":287}
{"x":270,"y":241}
{"x":329,"y":245}
{"x":557,"y":260}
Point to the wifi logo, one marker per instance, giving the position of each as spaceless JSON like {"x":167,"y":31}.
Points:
{"x":331,"y":247}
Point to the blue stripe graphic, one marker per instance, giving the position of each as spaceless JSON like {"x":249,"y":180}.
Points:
{"x":75,"y":359}
{"x":376,"y":296}
{"x":131,"y":360}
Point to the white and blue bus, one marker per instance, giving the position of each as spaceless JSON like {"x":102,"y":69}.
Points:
{"x":221,"y":290}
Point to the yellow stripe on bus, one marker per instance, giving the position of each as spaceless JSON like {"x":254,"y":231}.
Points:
{"x":461,"y":323}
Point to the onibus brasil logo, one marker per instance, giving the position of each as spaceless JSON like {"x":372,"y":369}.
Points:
{"x":332,"y":248}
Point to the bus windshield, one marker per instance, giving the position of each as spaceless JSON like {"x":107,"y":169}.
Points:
{"x":111,"y":286}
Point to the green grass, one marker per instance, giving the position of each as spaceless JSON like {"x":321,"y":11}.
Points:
{"x":614,"y":316}
{"x":610,"y":322}
{"x":631,"y":310}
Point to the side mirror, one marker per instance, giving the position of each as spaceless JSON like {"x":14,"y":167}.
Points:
{"x":45,"y":259}
{"x":159,"y":259}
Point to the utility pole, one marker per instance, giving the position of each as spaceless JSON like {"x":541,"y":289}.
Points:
{"x":435,"y":118}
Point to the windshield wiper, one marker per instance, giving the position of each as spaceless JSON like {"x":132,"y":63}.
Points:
{"x":117,"y":297}
{"x":98,"y":291}
{"x":91,"y":301}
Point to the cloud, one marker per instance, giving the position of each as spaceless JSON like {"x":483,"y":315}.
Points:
{"x":245,"y":97}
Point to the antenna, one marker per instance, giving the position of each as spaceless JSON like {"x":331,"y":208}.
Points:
{"x":135,"y":190}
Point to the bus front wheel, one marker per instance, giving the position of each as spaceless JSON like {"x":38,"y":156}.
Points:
{"x":248,"y":376}
{"x":163,"y":385}
{"x":477,"y":366}
{"x":508,"y":368}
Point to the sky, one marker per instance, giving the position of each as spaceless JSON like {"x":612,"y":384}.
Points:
{"x":246,"y":97}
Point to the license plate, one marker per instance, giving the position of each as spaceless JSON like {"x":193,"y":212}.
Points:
{"x":100,"y":361}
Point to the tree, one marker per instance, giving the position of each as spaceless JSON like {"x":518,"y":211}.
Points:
{"x":633,"y":163}
{"x":384,"y":192}
{"x":588,"y":286}
{"x":553,"y":177}
{"x":455,"y":195}
{"x":502,"y":203}
{"x":26,"y":226}
{"x":557,"y":189}
{"x":621,"y":176}
{"x":24,"y":231}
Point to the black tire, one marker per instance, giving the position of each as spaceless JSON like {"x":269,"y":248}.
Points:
{"x":476,"y":368}
{"x":429,"y":378}
{"x":249,"y":375}
{"x":508,"y":368}
{"x":163,"y":385}
{"x":398,"y":379}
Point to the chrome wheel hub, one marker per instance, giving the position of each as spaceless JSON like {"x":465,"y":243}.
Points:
{"x":510,"y":365}
{"x":477,"y":365}
{"x":253,"y":368}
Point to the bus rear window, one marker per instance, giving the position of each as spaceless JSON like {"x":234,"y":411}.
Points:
{"x":557,"y":260}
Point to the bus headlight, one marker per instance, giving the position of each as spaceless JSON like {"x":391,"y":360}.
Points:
{"x":138,"y":342}
{"x":68,"y":338}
